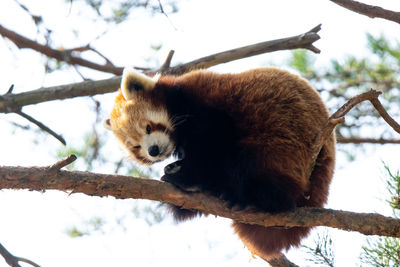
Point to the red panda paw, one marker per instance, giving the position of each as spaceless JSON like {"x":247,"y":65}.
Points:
{"x":177,"y":175}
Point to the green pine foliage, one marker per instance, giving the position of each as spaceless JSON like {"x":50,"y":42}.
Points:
{"x":351,"y":76}
{"x":338,"y":82}
{"x":322,"y":253}
{"x":385,"y":251}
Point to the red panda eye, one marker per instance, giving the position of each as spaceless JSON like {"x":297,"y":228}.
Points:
{"x":148,"y":129}
{"x":137,"y":147}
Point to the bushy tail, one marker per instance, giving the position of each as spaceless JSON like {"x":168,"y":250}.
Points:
{"x":267,"y":242}
{"x":180,"y":214}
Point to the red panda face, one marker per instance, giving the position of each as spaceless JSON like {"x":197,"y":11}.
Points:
{"x":143,"y":128}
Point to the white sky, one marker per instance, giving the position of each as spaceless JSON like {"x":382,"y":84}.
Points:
{"x":33,"y":224}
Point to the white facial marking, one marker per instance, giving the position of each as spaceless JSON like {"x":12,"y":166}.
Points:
{"x":160,"y":139}
{"x":159,"y":116}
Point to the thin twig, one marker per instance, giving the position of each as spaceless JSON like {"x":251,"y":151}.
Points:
{"x":160,"y":6}
{"x":381,"y":110}
{"x":108,"y":61}
{"x":360,"y":140}
{"x":368,"y":10}
{"x":87,"y":47}
{"x":17,"y":125}
{"x":36,"y":19}
{"x":42,"y":126}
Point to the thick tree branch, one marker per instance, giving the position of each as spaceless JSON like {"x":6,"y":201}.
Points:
{"x":14,"y":102}
{"x":368,"y":10}
{"x":304,"y":40}
{"x":12,"y":260}
{"x":122,"y":187}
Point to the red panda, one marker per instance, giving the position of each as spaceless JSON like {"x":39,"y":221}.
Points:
{"x":244,"y":137}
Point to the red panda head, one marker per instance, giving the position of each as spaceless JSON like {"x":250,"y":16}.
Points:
{"x":141,"y":125}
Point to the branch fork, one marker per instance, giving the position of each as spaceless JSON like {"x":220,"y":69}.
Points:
{"x":338,"y":117}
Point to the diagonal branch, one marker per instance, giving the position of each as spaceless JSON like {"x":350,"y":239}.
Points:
{"x":304,"y":40}
{"x":381,"y":110}
{"x":61,"y":55}
{"x":42,"y":126}
{"x":122,"y":187}
{"x":338,"y":117}
{"x":368,"y":10}
{"x":13,"y":102}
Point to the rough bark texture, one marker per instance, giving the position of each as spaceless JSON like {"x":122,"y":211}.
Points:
{"x":122,"y":187}
{"x":369,"y":10}
{"x":14,"y":102}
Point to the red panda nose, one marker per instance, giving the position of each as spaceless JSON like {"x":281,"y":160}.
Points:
{"x":154,"y":151}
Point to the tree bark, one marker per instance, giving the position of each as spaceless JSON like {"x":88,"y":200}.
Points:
{"x":14,"y":102}
{"x":123,"y":187}
{"x":368,"y":10}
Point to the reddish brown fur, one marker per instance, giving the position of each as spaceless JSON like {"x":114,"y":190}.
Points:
{"x":284,"y":147}
{"x":280,"y":115}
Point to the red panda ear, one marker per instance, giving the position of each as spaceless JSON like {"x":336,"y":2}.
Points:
{"x":107,"y":124}
{"x":133,"y":82}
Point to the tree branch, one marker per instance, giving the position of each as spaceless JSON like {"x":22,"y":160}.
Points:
{"x":381,"y":110}
{"x":304,"y":40}
{"x":368,"y":10}
{"x":336,"y":118}
{"x":14,"y":102}
{"x":42,"y":126}
{"x":12,"y":260}
{"x":360,"y":140}
{"x":122,"y":187}
{"x":61,"y":55}
{"x":280,"y":261}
